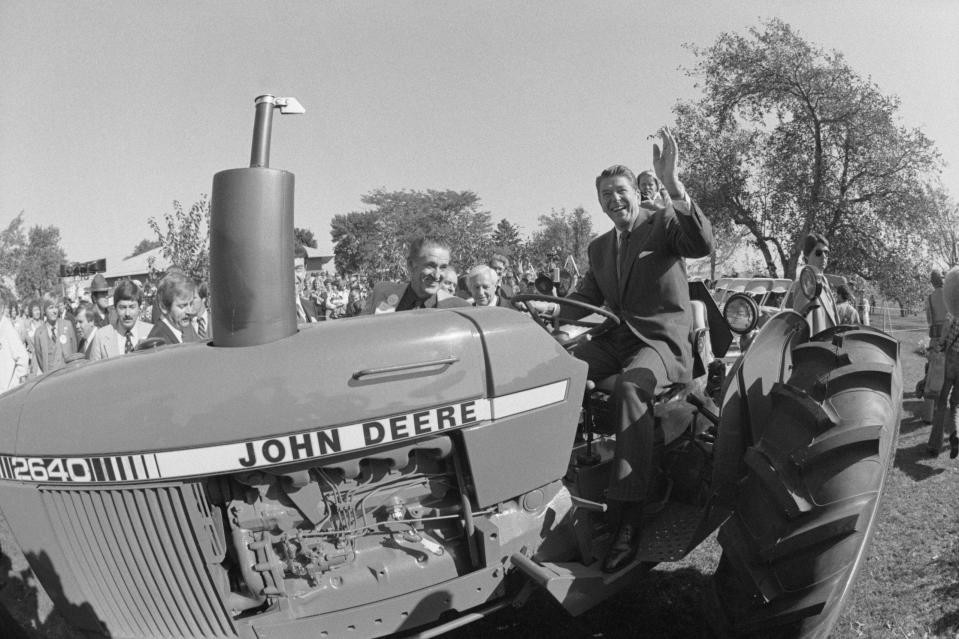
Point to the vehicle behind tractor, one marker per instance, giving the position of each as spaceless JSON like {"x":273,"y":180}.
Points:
{"x":441,"y":466}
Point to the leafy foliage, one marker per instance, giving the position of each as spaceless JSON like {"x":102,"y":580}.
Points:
{"x":303,"y":237}
{"x":39,"y":268}
{"x":565,"y":233}
{"x":144,"y":245}
{"x":942,"y":227}
{"x":12,"y":244}
{"x":374,"y":243}
{"x":506,"y":238}
{"x":788,"y":139}
{"x":185,"y":238}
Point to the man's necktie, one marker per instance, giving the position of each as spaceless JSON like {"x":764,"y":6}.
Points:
{"x":201,"y":327}
{"x":53,"y":333}
{"x":128,"y":346}
{"x":621,"y":270}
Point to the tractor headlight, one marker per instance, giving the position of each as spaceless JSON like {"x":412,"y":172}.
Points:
{"x":741,"y":313}
{"x":809,"y":284}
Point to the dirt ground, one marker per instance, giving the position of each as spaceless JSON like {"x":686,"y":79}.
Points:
{"x":908,"y":587}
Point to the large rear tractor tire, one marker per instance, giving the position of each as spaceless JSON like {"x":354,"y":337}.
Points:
{"x":807,"y":507}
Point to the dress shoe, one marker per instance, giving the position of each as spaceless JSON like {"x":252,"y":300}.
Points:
{"x":953,"y":446}
{"x":624,"y":548}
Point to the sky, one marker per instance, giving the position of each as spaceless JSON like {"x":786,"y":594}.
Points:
{"x":111,"y":110}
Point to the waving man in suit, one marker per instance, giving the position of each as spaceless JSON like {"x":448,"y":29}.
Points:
{"x":637,"y":270}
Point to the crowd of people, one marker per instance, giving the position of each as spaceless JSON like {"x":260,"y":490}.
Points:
{"x":43,"y":335}
{"x":490,"y":283}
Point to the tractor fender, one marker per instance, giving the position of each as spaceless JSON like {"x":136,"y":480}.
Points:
{"x":746,"y":399}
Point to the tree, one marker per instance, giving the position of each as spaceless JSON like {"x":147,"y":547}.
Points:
{"x":567,"y":233}
{"x":788,"y":139}
{"x":303,"y":237}
{"x":39,"y":269}
{"x":374,"y":243}
{"x":12,"y":243}
{"x":506,"y":238}
{"x":942,"y":232}
{"x":143,"y":246}
{"x":185,"y":242}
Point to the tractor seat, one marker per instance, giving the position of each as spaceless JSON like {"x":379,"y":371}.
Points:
{"x":697,"y":336}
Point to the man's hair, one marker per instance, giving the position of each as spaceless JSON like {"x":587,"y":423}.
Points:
{"x":842,"y":292}
{"x":615,"y":171}
{"x":481,"y":269}
{"x":499,"y":257}
{"x":172,"y":286}
{"x":417,"y":245}
{"x":126,"y":291}
{"x":936,"y":278}
{"x":811,"y":241}
{"x":86,"y":310}
{"x":203,"y":290}
{"x":48,"y":301}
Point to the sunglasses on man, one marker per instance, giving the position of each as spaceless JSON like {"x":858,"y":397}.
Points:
{"x":821,"y":252}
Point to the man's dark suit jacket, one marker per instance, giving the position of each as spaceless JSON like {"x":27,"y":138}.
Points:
{"x":653,"y":297}
{"x":160,"y":329}
{"x":309,"y":309}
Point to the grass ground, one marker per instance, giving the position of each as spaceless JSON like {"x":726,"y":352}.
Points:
{"x":908,"y":587}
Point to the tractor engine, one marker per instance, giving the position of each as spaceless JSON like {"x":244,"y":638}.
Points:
{"x":349,"y":532}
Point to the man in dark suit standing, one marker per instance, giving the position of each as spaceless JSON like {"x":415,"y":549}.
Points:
{"x":637,"y":270}
{"x":427,"y":262}
{"x":175,"y":294}
{"x":500,"y":264}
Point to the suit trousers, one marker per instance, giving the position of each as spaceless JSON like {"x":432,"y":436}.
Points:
{"x":943,"y":422}
{"x":639,"y":444}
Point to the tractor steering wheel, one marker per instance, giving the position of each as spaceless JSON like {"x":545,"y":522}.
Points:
{"x":551,"y":324}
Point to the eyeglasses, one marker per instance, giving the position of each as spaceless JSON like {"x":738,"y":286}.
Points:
{"x":822,"y":252}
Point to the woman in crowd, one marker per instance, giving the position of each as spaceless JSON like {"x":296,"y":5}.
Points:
{"x":846,"y":308}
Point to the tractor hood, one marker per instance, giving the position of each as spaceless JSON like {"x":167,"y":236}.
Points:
{"x":327,"y":374}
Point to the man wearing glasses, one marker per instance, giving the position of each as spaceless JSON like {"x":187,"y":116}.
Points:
{"x":816,"y":253}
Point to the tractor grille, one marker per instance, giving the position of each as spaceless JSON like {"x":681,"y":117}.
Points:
{"x":145,"y":557}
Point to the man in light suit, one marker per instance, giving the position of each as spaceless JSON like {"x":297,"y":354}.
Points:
{"x":14,"y":359}
{"x":428,"y":261}
{"x":112,"y":340}
{"x":816,"y":253}
{"x":637,"y":270}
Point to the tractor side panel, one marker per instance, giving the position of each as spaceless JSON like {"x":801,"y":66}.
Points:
{"x":512,"y":456}
{"x":522,"y":449}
